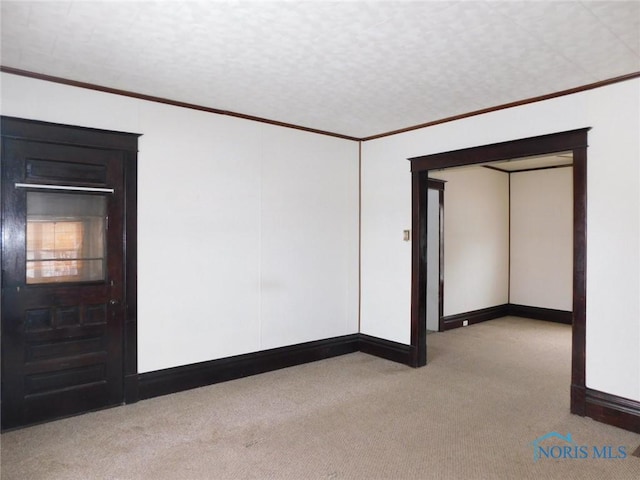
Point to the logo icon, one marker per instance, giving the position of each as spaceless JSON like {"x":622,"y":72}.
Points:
{"x":537,"y":447}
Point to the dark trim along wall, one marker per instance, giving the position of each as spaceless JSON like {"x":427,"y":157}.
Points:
{"x":610,"y":409}
{"x":508,"y":105}
{"x":476,"y":316}
{"x":141,"y":96}
{"x":482,"y":315}
{"x":613,"y":410}
{"x":171,"y":380}
{"x":166,"y":101}
{"x":538,"y":313}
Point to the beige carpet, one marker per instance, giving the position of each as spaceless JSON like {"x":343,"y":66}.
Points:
{"x":488,"y":391}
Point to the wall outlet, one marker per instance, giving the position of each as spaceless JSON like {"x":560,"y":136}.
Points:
{"x":465,"y":323}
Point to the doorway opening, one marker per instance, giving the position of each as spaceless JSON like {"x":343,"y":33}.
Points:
{"x":575,"y":142}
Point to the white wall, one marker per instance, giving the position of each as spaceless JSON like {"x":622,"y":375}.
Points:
{"x":433,"y":260}
{"x":542,"y":238}
{"x":261,"y":223}
{"x":476,"y":239}
{"x":613,"y":219}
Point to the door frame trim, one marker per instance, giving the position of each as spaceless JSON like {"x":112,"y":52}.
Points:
{"x":573,"y":140}
{"x":127,"y":144}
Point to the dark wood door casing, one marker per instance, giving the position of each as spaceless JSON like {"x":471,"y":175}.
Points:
{"x":574,"y":141}
{"x":87,"y":330}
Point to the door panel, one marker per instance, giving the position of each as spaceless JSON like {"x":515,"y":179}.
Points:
{"x":62,"y":293}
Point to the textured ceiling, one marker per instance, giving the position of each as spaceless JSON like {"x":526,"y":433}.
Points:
{"x":542,"y":161}
{"x":521,"y":164}
{"x":353,"y":68}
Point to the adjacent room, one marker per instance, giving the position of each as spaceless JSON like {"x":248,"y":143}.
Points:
{"x":500,"y":245}
{"x":507,"y":240}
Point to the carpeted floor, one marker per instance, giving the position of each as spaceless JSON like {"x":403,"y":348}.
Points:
{"x":488,"y":392}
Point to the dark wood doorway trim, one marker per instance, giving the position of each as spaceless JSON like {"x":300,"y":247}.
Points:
{"x":127,"y":145}
{"x":574,"y":141}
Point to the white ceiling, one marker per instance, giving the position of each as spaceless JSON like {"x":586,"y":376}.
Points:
{"x":541,"y":161}
{"x":521,"y":164}
{"x":354,"y":68}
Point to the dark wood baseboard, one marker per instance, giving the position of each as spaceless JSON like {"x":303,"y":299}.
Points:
{"x":396,"y":352}
{"x":474,"y":316}
{"x":538,"y":313}
{"x":491,"y":313}
{"x":171,"y":380}
{"x":612,"y":410}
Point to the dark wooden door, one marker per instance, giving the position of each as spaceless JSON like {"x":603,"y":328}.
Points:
{"x":63,"y":280}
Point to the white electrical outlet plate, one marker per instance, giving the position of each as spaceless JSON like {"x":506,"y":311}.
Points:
{"x":465,"y":323}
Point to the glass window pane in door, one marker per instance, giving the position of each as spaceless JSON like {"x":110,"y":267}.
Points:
{"x":65,"y":237}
